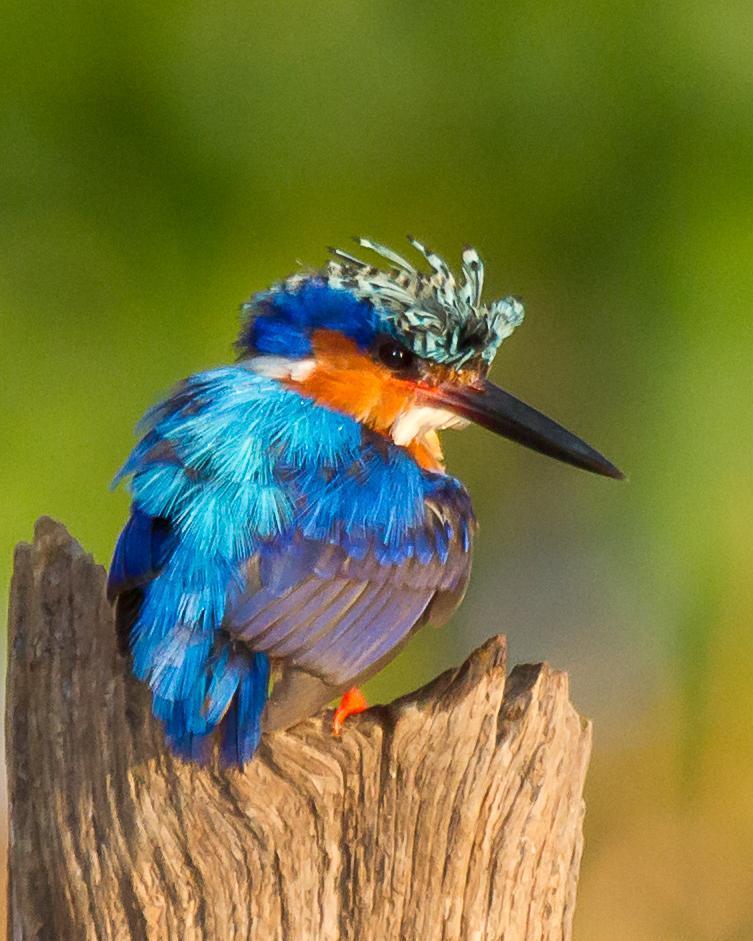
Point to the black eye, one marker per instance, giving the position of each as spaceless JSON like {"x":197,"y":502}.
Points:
{"x":395,"y":356}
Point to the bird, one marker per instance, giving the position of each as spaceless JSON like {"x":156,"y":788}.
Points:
{"x":292,"y":520}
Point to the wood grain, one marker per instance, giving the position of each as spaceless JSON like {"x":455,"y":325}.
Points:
{"x":453,"y":813}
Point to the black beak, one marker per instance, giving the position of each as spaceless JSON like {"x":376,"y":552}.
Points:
{"x":497,"y":410}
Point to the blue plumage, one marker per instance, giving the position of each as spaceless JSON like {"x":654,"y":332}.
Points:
{"x":245,"y":469}
{"x":280,"y":322}
{"x":141,"y":550}
{"x":292,"y":522}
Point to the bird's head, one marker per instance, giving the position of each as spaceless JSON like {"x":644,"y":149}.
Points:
{"x":403,"y":352}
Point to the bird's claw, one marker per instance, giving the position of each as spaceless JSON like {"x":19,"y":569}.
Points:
{"x":351,"y":703}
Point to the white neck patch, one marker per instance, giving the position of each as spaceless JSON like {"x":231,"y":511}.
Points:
{"x":281,"y":367}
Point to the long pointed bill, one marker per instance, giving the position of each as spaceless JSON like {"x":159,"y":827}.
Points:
{"x":499,"y":411}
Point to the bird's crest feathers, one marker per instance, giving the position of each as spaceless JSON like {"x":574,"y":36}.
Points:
{"x":434,"y":315}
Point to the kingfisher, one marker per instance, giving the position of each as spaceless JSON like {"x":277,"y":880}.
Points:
{"x":292,"y":522}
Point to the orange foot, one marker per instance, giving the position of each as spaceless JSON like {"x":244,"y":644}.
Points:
{"x":352,"y":703}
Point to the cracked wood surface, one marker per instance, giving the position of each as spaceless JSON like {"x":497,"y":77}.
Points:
{"x":453,"y":813}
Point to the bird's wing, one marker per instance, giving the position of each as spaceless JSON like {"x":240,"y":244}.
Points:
{"x":336,"y":616}
{"x":335,"y":620}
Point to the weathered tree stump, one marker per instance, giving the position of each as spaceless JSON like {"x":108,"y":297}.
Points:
{"x":453,"y":813}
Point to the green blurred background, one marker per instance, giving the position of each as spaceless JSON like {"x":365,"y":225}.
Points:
{"x":159,"y":162}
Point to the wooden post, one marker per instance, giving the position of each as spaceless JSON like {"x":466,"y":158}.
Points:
{"x":453,"y":813}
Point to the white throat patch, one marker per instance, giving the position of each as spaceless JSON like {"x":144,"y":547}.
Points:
{"x":420,"y":420}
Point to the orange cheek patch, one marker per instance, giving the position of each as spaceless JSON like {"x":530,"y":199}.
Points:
{"x":349,"y":381}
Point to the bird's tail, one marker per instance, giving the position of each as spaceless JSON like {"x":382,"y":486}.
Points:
{"x":235,"y":701}
{"x":227,"y":698}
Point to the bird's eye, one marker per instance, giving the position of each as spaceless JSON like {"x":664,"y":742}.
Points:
{"x":394,"y":356}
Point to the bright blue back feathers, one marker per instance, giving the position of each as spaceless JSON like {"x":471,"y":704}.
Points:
{"x":234,"y":470}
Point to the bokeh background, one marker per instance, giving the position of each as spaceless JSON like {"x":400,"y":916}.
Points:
{"x":159,"y":162}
